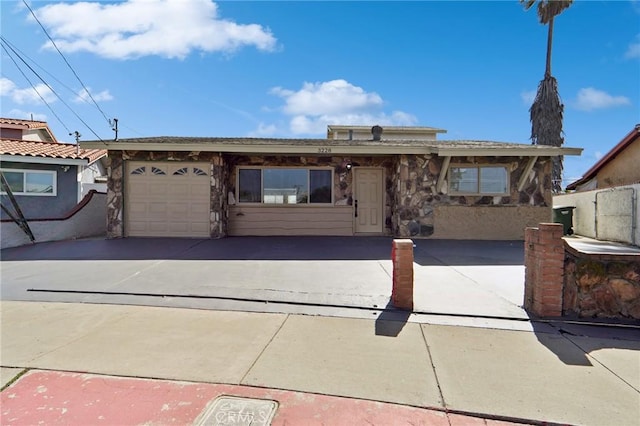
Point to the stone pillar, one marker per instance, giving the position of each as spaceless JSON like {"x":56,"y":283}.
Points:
{"x":115,"y":195}
{"x":218,"y":208}
{"x":544,"y":270}
{"x":402,"y":257}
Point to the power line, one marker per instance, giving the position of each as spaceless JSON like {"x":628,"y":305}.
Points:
{"x":46,"y":84}
{"x":34,"y":88}
{"x":67,"y":62}
{"x":16,"y":49}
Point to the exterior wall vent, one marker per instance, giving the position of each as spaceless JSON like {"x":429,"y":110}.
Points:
{"x":376,"y":131}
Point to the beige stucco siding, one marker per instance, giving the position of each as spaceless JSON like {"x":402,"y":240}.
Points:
{"x":622,"y":170}
{"x":487,"y":222}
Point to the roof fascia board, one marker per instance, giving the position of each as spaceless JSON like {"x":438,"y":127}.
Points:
{"x":319,"y":149}
{"x":507,"y":152}
{"x":44,"y":160}
{"x":331,"y":148}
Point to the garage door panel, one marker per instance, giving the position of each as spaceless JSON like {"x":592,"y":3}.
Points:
{"x":167,"y":199}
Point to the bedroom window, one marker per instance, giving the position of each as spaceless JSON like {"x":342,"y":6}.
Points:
{"x":285,"y":186}
{"x":481,"y":180}
{"x":31,"y":182}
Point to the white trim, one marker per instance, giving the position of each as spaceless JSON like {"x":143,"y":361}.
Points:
{"x":24,"y":183}
{"x":525,"y":173}
{"x":44,"y":160}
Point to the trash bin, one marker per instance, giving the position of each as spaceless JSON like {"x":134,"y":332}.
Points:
{"x":564,"y":215}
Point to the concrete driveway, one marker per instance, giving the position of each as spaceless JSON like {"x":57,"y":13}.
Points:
{"x":315,"y":275}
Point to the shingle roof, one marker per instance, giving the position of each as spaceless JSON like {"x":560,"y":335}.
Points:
{"x":49,"y":150}
{"x":334,"y":146}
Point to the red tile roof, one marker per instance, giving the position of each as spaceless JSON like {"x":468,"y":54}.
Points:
{"x":49,"y":150}
{"x":615,"y":151}
{"x":31,"y":124}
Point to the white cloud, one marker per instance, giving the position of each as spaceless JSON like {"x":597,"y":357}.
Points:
{"x":598,"y":155}
{"x":83,"y":96}
{"x":29,"y":95}
{"x":135,"y":28}
{"x":589,"y":99}
{"x":26,"y":115}
{"x":633,"y":51}
{"x":264,"y":130}
{"x":319,"y":104}
{"x":528,"y":96}
{"x":6,"y":87}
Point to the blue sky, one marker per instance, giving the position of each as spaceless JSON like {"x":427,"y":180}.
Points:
{"x":287,"y":69}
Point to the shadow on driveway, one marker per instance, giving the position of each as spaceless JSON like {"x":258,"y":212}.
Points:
{"x":426,"y":252}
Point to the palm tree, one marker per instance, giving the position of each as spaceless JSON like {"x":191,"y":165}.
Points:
{"x":547,"y":108}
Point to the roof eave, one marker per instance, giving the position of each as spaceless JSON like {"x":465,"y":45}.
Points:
{"x":46,"y":160}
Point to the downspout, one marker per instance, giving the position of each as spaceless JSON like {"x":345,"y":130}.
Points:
{"x":634,"y":216}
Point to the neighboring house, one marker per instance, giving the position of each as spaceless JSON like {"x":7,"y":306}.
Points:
{"x":620,"y":166}
{"x":46,"y":177}
{"x":606,"y":201}
{"x":399,"y":181}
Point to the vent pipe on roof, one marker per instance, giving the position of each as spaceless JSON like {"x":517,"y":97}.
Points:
{"x":376,"y":131}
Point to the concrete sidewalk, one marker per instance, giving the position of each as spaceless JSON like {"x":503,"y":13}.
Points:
{"x":541,"y":372}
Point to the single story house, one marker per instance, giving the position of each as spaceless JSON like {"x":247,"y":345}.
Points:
{"x":46,"y":177}
{"x":398,"y":182}
{"x":617,"y":167}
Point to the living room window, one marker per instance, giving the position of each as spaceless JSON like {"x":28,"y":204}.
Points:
{"x":482,"y":180}
{"x":31,"y":182}
{"x":286,"y":186}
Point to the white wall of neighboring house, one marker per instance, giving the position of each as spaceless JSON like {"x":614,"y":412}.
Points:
{"x":611,"y":214}
{"x":87,"y":176}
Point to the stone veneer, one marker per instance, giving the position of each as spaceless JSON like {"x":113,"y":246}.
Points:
{"x":411,"y":197}
{"x":416,"y":196}
{"x":601,"y":286}
{"x":115,"y":187}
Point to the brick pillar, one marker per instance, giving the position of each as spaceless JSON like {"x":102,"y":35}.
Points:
{"x":402,"y":257}
{"x":544,"y":270}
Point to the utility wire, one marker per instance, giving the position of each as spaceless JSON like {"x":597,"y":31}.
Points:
{"x":46,"y":84}
{"x":67,"y":62}
{"x":16,"y":49}
{"x":34,"y":88}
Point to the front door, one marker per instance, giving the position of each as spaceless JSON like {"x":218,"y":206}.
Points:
{"x":368,"y":205}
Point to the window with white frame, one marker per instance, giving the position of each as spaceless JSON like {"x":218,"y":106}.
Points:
{"x":482,"y":180}
{"x":31,"y":182}
{"x":288,"y":186}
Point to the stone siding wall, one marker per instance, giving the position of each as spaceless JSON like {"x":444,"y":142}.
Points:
{"x":417,"y":197}
{"x":343,"y":178}
{"x":562,"y":281}
{"x":115,"y":186}
{"x":602,"y":286}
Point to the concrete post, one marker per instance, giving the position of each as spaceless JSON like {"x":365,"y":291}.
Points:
{"x":402,"y":257}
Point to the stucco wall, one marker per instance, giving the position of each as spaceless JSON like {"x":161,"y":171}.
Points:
{"x":422,"y":211}
{"x":622,"y":170}
{"x":88,"y":221}
{"x":608,"y":214}
{"x":43,"y":207}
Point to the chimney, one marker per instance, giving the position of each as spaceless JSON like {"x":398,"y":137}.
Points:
{"x":376,"y":131}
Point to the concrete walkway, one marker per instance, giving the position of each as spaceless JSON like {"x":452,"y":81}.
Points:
{"x":542,"y":372}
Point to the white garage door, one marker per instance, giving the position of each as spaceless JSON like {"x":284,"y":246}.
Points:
{"x":167,"y":199}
